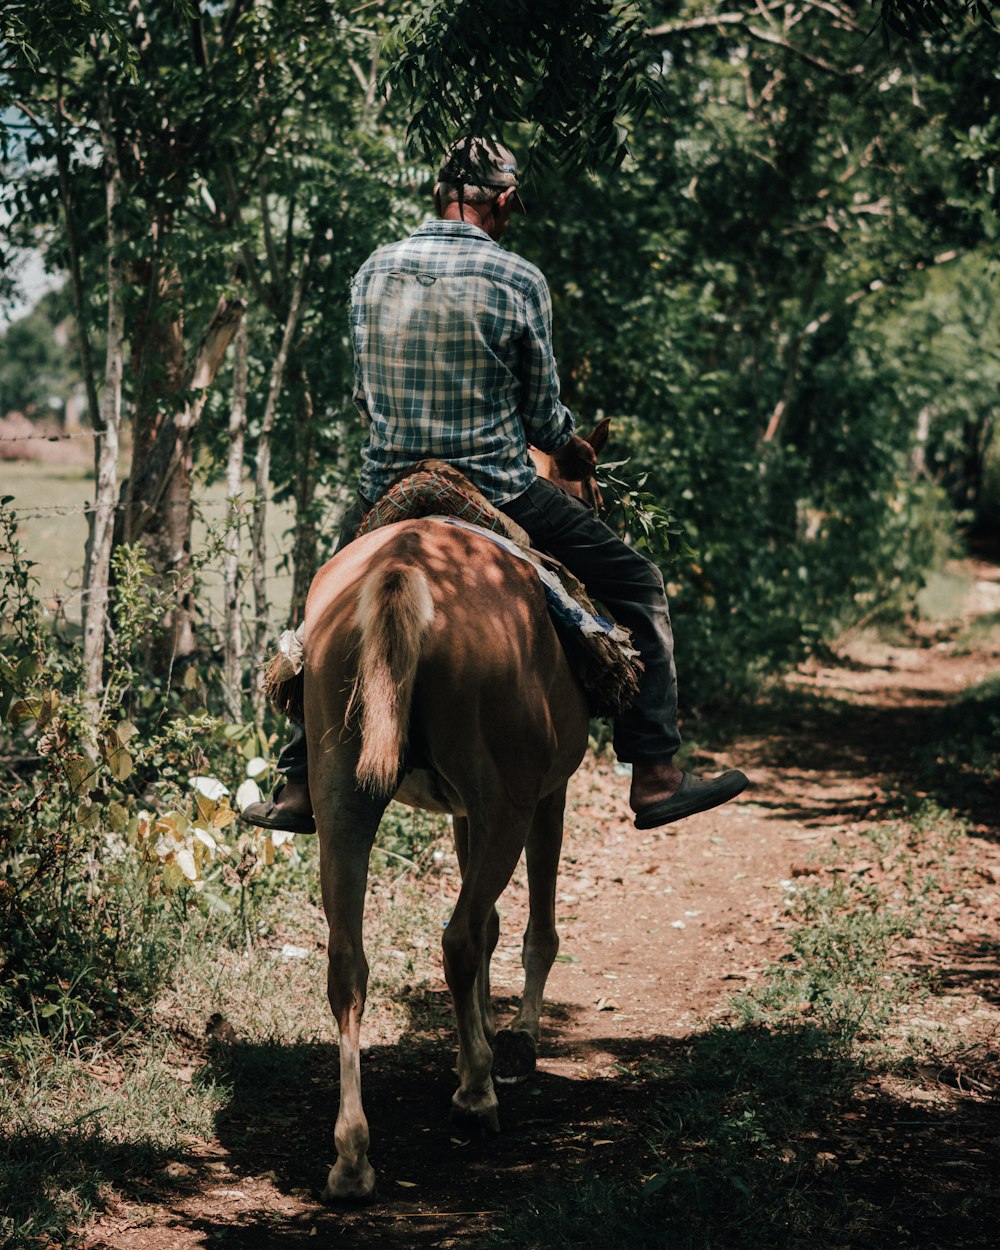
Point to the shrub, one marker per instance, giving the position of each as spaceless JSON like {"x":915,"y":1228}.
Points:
{"x":109,"y":847}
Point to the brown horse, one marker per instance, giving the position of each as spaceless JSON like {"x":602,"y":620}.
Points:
{"x":434,"y":675}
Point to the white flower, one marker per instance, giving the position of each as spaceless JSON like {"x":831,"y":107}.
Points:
{"x":257,"y":766}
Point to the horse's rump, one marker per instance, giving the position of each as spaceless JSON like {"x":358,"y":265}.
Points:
{"x":424,"y":623}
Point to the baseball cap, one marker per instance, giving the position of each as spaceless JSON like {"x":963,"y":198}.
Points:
{"x":477,"y":162}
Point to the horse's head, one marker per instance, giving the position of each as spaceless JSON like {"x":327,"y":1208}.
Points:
{"x":586,"y":490}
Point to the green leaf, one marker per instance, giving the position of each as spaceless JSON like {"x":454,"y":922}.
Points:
{"x":121,"y":764}
{"x":24,"y":710}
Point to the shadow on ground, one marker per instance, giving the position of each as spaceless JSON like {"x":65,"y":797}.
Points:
{"x":38,"y":1170}
{"x":729,"y":1137}
{"x":943,"y":748}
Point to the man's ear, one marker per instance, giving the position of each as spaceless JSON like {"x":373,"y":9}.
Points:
{"x":504,"y":199}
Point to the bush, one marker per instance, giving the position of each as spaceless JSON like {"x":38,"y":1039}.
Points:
{"x":116,"y":836}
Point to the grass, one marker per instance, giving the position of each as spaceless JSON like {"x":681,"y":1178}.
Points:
{"x":78,"y":1132}
{"x":88,"y":1127}
{"x":55,"y":539}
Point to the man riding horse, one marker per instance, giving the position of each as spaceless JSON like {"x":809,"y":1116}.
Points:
{"x":453,"y":360}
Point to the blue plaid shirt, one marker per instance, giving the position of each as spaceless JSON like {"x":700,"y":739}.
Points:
{"x":453,"y":358}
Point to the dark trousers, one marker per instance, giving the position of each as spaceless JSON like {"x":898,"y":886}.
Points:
{"x":631,"y":588}
{"x":626,"y":583}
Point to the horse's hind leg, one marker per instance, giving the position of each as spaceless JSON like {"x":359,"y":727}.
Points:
{"x":347,"y":820}
{"x":483,"y":995}
{"x":494,"y":846}
{"x":515,"y":1048}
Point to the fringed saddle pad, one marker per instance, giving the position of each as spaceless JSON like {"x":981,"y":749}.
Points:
{"x":281,"y":680}
{"x":601,"y":653}
{"x":435,"y":488}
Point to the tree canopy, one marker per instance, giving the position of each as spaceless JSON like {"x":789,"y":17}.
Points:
{"x":733,"y":205}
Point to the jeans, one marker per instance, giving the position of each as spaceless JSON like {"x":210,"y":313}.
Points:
{"x":628,"y":585}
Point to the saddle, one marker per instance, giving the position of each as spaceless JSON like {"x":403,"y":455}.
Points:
{"x":599,"y":651}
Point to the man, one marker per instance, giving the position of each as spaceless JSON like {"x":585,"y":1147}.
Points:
{"x":453,"y":360}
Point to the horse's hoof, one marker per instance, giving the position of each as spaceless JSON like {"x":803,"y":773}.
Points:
{"x":349,"y":1190}
{"x":475,"y":1122}
{"x":514,"y":1055}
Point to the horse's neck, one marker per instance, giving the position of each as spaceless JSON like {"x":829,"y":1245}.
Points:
{"x":546,"y":468}
{"x":545,"y":465}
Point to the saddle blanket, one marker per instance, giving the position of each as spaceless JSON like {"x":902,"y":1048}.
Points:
{"x":569,"y":611}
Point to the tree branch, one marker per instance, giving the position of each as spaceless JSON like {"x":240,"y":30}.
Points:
{"x":75,"y":271}
{"x":263,"y":468}
{"x":249,"y":260}
{"x":278,"y":274}
{"x":742,"y":21}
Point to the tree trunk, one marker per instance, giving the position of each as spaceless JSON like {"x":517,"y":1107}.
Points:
{"x":262,"y":627}
{"x":157,"y":365}
{"x":158,"y":503}
{"x":305,"y":546}
{"x":97,"y":566}
{"x":232,"y":642}
{"x":76,"y":274}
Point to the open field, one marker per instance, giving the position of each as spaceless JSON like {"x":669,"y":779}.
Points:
{"x":50,"y":500}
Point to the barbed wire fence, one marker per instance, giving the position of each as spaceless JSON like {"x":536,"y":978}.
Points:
{"x":62,"y":597}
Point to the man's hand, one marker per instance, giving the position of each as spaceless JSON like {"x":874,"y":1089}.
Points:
{"x":576,"y":460}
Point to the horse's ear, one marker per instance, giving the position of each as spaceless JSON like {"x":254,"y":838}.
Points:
{"x":599,"y":435}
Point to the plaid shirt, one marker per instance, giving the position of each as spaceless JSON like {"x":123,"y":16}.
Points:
{"x":453,"y":359}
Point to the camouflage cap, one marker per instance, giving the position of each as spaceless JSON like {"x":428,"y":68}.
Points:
{"x":477,"y":162}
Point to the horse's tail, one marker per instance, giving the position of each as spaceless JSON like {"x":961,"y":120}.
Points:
{"x":394,"y":612}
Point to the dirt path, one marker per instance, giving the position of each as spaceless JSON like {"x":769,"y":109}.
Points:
{"x":657,"y":930}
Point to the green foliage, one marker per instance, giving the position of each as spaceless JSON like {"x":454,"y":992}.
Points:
{"x":36,"y":363}
{"x":729,"y":298}
{"x":573,"y":73}
{"x":753,"y":296}
{"x":113,"y":842}
{"x":62,"y":29}
{"x":915,"y":18}
{"x":637,"y":512}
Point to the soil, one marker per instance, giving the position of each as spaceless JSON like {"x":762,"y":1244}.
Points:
{"x":658,"y":931}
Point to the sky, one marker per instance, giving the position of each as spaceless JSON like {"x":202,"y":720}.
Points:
{"x":32,"y":283}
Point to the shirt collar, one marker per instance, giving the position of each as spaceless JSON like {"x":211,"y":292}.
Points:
{"x":436,"y":228}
